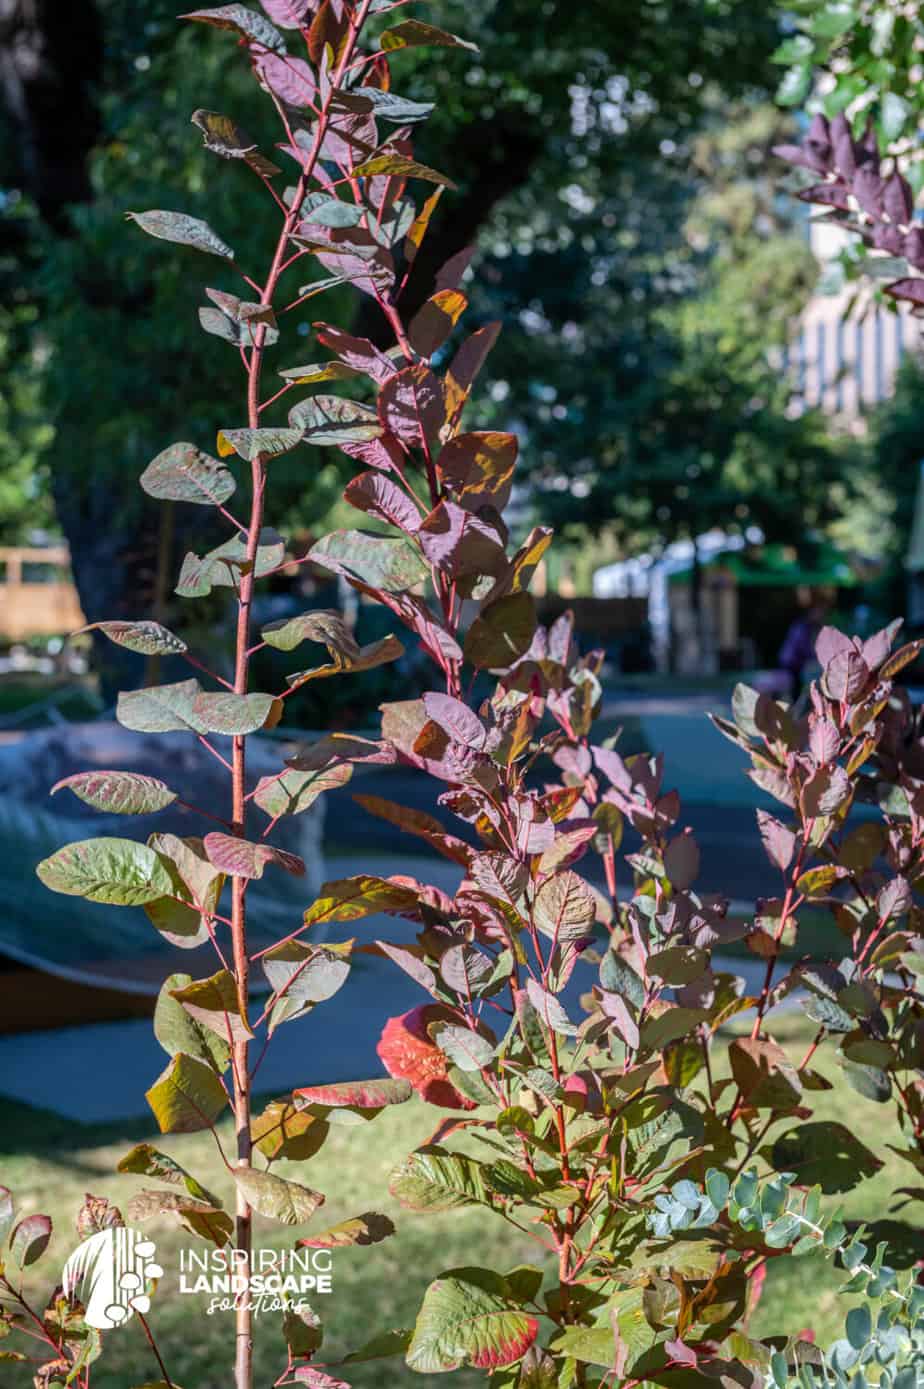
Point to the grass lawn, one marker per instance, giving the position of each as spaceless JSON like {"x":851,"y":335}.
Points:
{"x":50,"y":1163}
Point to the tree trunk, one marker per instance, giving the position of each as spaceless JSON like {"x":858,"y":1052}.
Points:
{"x":51,"y":61}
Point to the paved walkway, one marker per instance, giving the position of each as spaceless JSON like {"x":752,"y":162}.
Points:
{"x":99,"y":1072}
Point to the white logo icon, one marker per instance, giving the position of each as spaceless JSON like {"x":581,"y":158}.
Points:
{"x":109,"y":1272}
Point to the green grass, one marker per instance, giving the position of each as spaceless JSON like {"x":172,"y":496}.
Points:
{"x":50,"y":1163}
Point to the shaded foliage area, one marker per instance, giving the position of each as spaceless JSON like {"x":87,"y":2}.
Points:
{"x":573,"y":148}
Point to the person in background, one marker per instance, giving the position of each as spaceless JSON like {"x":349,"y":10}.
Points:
{"x":798,"y":647}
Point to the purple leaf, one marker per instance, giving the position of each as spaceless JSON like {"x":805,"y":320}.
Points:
{"x":910,"y":289}
{"x":356,"y":352}
{"x":411,"y":405}
{"x":824,"y":739}
{"x":845,"y":151}
{"x":289,"y":14}
{"x":466,"y":365}
{"x":778,"y":841}
{"x":433,"y":323}
{"x":119,"y":793}
{"x":377,"y":495}
{"x":681,"y":861}
{"x":242,"y":859}
{"x":897,"y":199}
{"x":478,"y":467}
{"x":867,"y":189}
{"x":456,"y":718}
{"x":913,"y":248}
{"x":830,"y":643}
{"x":825,"y":792}
{"x":459,"y":543}
{"x":291,"y":79}
{"x":240,"y":20}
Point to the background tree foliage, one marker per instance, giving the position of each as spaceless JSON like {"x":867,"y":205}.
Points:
{"x":611,"y":174}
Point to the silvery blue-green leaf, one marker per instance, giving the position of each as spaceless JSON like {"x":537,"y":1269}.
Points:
{"x":183,"y":473}
{"x":391,"y":107}
{"x":334,"y":213}
{"x":241,"y":20}
{"x":251,"y":444}
{"x":326,"y":420}
{"x":182,"y":229}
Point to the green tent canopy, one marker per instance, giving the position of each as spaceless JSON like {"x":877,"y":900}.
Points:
{"x":779,"y":566}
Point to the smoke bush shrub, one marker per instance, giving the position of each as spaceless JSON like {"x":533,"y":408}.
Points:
{"x":585,"y":1046}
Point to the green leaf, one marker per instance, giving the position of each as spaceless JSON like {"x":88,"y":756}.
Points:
{"x":668,"y":1023}
{"x":201,"y":1218}
{"x":503,"y":632}
{"x":187,"y":1096}
{"x":350,"y":899}
{"x":869,"y":1081}
{"x":183,"y":230}
{"x":322,"y":626}
{"x":178,"y":1031}
{"x":466,"y":1049}
{"x":148,"y":1161}
{"x":329,"y":420}
{"x":221,"y":567}
{"x":592,"y":1345}
{"x":795,"y":86}
{"x":214,"y":1003}
{"x":617,"y":976}
{"x":160,"y":709}
{"x":413,"y":33}
{"x":283,"y":1131}
{"x":379,"y":561}
{"x":294,"y":792}
{"x":396,"y":165}
{"x":218,"y":712}
{"x":118,"y":872}
{"x":377,"y":653}
{"x":288,"y":1202}
{"x":186,"y":707}
{"x":182,"y":473}
{"x":147,"y":638}
{"x":894,"y":113}
{"x":241,"y":20}
{"x":370,"y":1228}
{"x":6,"y":1212}
{"x":834,"y":19}
{"x":432,"y":1179}
{"x":380,"y":1347}
{"x":29,"y":1240}
{"x":224,"y":137}
{"x":119,"y":793}
{"x":252,"y":444}
{"x":315,"y":373}
{"x":302,"y":1329}
{"x":468,"y":1318}
{"x":196,"y":889}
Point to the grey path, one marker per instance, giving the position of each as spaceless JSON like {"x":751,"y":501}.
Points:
{"x":99,"y":1072}
{"x":61,"y":1070}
